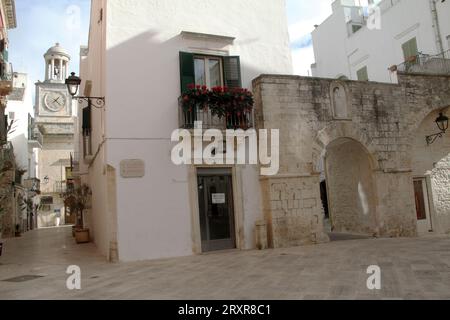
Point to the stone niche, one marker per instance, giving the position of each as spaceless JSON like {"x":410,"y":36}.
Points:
{"x":340,"y":101}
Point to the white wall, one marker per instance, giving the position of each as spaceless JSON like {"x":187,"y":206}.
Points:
{"x":142,"y":84}
{"x":433,"y":162}
{"x":19,"y":136}
{"x":339,"y":54}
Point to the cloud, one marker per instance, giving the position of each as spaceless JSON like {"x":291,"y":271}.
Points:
{"x":302,"y":16}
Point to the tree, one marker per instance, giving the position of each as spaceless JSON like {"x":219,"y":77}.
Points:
{"x":76,"y":200}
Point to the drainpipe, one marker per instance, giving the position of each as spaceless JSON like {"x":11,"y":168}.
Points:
{"x":436,"y":27}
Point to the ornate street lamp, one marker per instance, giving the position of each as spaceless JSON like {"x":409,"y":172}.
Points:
{"x":442,"y":123}
{"x":73,"y":84}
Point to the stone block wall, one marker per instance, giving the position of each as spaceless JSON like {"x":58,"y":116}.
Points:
{"x":312,"y":113}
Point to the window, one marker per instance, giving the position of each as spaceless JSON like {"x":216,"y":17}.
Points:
{"x":362,"y":74}
{"x":211,"y":71}
{"x":410,"y":50}
{"x":208,"y":71}
{"x":356,"y":28}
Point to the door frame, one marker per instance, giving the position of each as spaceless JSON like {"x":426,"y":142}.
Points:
{"x":236,"y":179}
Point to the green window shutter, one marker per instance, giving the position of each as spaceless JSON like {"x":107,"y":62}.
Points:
{"x":410,"y":49}
{"x":87,"y":127}
{"x":232,"y":72}
{"x":187,"y":72}
{"x":362,"y":74}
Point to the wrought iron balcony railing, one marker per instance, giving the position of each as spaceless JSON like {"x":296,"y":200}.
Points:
{"x":426,"y":64}
{"x":75,"y":163}
{"x":59,"y":187}
{"x":7,"y":152}
{"x":36,"y":139}
{"x":234,"y":120}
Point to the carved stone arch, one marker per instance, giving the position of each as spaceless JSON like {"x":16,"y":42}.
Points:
{"x":341,"y":101}
{"x":337,"y":130}
{"x":423,"y":113}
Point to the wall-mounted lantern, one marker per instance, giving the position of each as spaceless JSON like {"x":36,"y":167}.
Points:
{"x":73,"y":85}
{"x":442,"y":123}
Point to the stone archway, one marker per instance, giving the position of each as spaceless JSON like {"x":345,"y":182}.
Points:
{"x":337,"y":130}
{"x":351,"y":191}
{"x":431,"y":175}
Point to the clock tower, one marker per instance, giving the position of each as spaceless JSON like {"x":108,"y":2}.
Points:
{"x":54,"y":118}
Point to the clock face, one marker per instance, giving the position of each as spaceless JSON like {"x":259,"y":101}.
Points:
{"x":54,"y":101}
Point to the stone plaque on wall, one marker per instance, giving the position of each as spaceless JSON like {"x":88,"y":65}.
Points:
{"x":132,"y":168}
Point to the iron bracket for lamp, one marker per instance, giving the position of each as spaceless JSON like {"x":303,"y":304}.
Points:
{"x":96,"y":102}
{"x":432,"y":139}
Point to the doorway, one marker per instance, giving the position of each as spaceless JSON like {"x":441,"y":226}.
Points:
{"x":216,"y":209}
{"x":424,"y":224}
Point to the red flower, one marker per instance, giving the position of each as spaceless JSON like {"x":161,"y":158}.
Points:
{"x":186,"y":98}
{"x":191,"y":86}
{"x":204,"y":88}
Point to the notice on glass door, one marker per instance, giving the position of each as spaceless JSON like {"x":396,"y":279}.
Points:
{"x":218,"y":198}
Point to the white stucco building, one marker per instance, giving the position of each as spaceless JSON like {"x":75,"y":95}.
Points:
{"x":19,"y":111}
{"x":354,"y":45}
{"x":141,"y":56}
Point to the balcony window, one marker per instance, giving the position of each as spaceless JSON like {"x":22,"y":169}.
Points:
{"x":211,"y":72}
{"x":208,"y":71}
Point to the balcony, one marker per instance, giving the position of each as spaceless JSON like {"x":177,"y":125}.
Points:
{"x":35,"y":137}
{"x":187,"y":119}
{"x":75,"y":164}
{"x":6,"y":78}
{"x":59,"y":187}
{"x":33,"y":185}
{"x":426,"y":64}
{"x":36,"y":140}
{"x":7,"y":152}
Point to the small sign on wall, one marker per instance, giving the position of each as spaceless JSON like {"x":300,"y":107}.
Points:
{"x":132,"y":168}
{"x":218,"y":198}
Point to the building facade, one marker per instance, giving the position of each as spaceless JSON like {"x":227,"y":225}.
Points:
{"x":359,"y":43}
{"x":365,"y":140}
{"x":143,"y":205}
{"x":54,"y":125}
{"x":26,"y":145}
{"x":8,"y":201}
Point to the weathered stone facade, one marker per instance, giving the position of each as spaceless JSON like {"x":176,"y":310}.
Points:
{"x":362,"y":135}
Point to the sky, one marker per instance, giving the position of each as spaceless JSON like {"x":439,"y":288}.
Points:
{"x":42,"y":23}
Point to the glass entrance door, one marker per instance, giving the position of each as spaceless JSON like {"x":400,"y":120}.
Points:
{"x":216,"y":207}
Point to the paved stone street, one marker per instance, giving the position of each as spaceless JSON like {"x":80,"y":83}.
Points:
{"x":411,"y":269}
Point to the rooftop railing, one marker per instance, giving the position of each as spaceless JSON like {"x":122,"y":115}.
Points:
{"x":438,"y":64}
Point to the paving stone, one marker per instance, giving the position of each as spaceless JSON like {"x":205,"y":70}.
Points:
{"x":411,"y":269}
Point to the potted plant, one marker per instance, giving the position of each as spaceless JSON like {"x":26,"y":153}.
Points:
{"x":76,"y":199}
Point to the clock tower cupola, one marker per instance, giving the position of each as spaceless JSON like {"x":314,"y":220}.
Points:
{"x":56,"y":64}
{"x":52,"y":98}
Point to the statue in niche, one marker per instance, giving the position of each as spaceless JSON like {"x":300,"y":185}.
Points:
{"x":340,"y":102}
